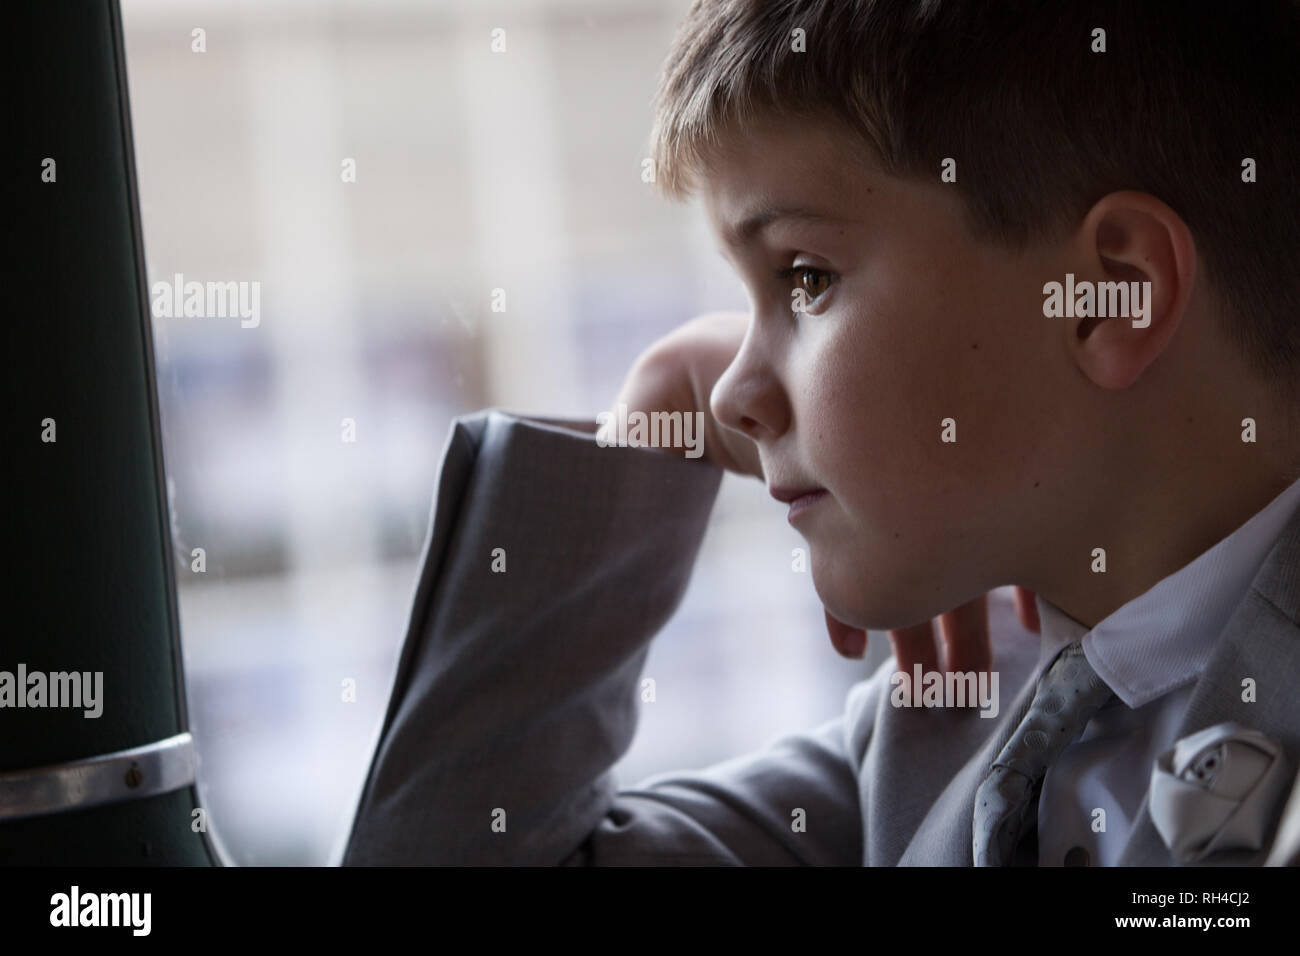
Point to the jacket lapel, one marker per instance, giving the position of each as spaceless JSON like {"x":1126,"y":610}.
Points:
{"x":944,"y":836}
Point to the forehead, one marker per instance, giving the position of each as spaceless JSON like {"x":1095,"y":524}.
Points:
{"x":779,"y":163}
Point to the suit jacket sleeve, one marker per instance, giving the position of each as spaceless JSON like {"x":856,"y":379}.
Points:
{"x":516,"y":686}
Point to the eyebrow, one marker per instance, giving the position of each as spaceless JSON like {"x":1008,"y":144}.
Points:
{"x":748,"y":228}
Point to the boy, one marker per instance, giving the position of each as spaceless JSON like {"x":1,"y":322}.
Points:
{"x":1023,"y":310}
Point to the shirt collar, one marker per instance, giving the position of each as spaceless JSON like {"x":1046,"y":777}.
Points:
{"x":1162,"y":638}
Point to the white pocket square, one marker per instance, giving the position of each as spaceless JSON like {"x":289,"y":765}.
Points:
{"x":1217,"y":790}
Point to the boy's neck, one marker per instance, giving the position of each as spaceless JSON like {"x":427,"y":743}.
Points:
{"x":1176,"y":517}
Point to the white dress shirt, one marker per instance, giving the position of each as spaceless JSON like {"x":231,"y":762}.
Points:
{"x":1150,"y":652}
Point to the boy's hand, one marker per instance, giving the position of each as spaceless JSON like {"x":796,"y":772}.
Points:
{"x":677,"y":374}
{"x":964,"y":632}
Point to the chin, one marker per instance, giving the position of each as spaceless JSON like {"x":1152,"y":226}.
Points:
{"x":874,"y":603}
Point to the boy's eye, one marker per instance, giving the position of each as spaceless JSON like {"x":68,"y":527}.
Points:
{"x":814,"y":282}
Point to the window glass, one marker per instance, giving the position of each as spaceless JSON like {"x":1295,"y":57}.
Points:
{"x":359,"y":177}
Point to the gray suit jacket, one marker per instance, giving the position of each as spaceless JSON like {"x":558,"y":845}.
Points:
{"x":515,"y":690}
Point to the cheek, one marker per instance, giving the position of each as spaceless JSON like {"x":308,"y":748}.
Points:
{"x":875,"y":404}
{"x":887,"y":380}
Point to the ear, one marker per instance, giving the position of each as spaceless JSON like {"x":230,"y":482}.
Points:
{"x":1127,"y":237}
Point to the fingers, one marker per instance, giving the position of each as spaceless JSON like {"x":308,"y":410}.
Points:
{"x":1027,"y":610}
{"x":848,"y":641}
{"x":915,"y":645}
{"x":964,"y":632}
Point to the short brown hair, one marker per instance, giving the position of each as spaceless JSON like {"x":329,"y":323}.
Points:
{"x":1041,"y":126}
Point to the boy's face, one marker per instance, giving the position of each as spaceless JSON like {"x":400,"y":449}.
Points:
{"x":916,"y":323}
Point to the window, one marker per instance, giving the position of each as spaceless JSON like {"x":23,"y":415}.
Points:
{"x":376,"y":171}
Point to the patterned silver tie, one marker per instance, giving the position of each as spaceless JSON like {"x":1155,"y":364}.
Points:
{"x":1067,"y":697}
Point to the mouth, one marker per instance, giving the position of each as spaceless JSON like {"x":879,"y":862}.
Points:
{"x":799,"y":499}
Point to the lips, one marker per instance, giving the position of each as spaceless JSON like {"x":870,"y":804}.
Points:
{"x":788,"y":495}
{"x":799,"y":499}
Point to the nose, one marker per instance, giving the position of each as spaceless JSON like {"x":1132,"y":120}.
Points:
{"x":748,"y":397}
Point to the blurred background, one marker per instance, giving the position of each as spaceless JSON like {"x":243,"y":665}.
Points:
{"x":474,"y":170}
